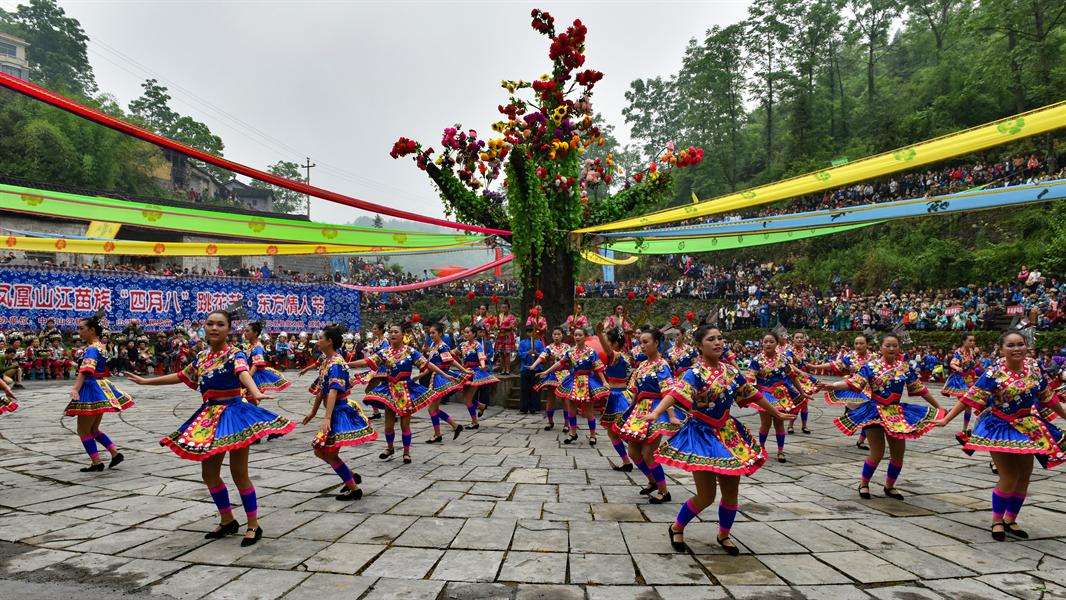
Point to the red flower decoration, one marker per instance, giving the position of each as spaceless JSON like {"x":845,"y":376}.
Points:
{"x":211,"y":249}
{"x":495,"y":299}
{"x":580,"y":290}
{"x":650,"y":299}
{"x":675,"y":320}
{"x":690,"y":316}
{"x":60,"y":244}
{"x":534,"y":312}
{"x":11,"y":241}
{"x":631,"y":295}
{"x":159,"y":248}
{"x":451,"y":301}
{"x":272,"y":250}
{"x":416,"y":318}
{"x":109,"y":246}
{"x":470,"y":295}
{"x":539,"y":295}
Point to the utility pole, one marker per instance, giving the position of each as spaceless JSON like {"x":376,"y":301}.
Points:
{"x":307,"y":179}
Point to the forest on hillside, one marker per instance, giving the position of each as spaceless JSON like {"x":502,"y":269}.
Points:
{"x":803,"y":84}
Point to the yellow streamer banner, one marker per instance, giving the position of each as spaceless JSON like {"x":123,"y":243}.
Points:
{"x":1035,"y":122}
{"x":599,"y":259}
{"x":102,"y":229}
{"x":133,"y":248}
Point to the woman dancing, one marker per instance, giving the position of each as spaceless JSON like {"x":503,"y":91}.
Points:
{"x":583,"y":387}
{"x":224,"y":423}
{"x":344,"y":424}
{"x":553,"y":353}
{"x":399,"y":395}
{"x":267,"y":379}
{"x":780,"y":381}
{"x":651,"y":379}
{"x":965,"y":366}
{"x":474,"y":360}
{"x":711,"y":444}
{"x":681,"y":356}
{"x":506,"y":323}
{"x":797,"y":353}
{"x":847,"y":364}
{"x":618,"y":370}
{"x":882,"y":415}
{"x":93,"y":395}
{"x":439,"y":353}
{"x":1009,"y":398}
{"x":9,"y":403}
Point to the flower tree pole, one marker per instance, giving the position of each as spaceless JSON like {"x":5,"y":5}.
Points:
{"x":531,"y":178}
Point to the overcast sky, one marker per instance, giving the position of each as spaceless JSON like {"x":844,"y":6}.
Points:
{"x":340,"y":81}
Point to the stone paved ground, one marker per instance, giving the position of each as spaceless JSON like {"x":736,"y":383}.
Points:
{"x":507,"y":512}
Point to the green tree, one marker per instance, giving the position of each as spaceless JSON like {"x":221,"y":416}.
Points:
{"x":57,"y":50}
{"x":379,"y":223}
{"x":285,"y":200}
{"x":767,"y":33}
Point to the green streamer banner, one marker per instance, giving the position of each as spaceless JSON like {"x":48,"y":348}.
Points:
{"x":723,"y":242}
{"x":214,"y":223}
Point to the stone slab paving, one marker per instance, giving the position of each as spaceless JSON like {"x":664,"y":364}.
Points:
{"x":507,"y":512}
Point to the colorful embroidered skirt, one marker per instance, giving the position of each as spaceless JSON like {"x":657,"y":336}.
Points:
{"x":1029,"y":434}
{"x":403,"y":398}
{"x":7,"y":406}
{"x":480,"y":378}
{"x":617,"y":404}
{"x":347,"y":427}
{"x":97,"y":397}
{"x":444,"y":387}
{"x":783,"y":398}
{"x":845,"y":397}
{"x":956,"y":385}
{"x":268,"y":380}
{"x":224,"y":425}
{"x":900,"y":420}
{"x":551,"y":380}
{"x":728,"y":450}
{"x":634,"y":426}
{"x":582,"y":389}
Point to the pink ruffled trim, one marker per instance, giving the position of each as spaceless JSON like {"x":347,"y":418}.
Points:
{"x":9,"y":407}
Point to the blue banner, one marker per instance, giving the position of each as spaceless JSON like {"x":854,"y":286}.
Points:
{"x":608,"y":270}
{"x":972,"y":200}
{"x":29,"y":297}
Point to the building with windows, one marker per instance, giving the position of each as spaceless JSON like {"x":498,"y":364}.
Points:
{"x":13,"y":59}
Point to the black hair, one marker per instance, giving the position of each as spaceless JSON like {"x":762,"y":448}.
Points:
{"x":528,"y":328}
{"x":382,"y":325}
{"x":256,"y":326}
{"x":559,"y":329}
{"x":701,"y":332}
{"x":890,"y":335}
{"x":334,"y":332}
{"x":438,"y":327}
{"x":774,"y":334}
{"x":93,"y":323}
{"x":654,"y":332}
{"x":583,"y":330}
{"x":967,"y":336}
{"x":1003,"y":337}
{"x":615,"y":337}
{"x":224,"y":313}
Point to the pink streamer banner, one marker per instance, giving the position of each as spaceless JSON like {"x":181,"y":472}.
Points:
{"x":499,"y":262}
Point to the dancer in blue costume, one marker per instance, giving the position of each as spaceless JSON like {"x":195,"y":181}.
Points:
{"x":846,"y":364}
{"x":583,"y":388}
{"x":472,"y":354}
{"x":651,"y":379}
{"x":398,"y":394}
{"x":784,"y":386}
{"x":618,"y":370}
{"x":1009,"y":398}
{"x":224,"y":423}
{"x":883,"y":416}
{"x":93,"y":395}
{"x":711,"y":444}
{"x":266,"y":378}
{"x":965,"y":366}
{"x":344,"y":424}
{"x":553,"y":353}
{"x":681,"y":355}
{"x":797,"y":353}
{"x":439,"y":353}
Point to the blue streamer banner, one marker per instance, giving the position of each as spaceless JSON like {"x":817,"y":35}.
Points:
{"x":29,"y":297}
{"x":886,"y":211}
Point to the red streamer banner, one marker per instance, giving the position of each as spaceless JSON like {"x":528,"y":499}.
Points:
{"x":48,"y":97}
{"x":499,"y":262}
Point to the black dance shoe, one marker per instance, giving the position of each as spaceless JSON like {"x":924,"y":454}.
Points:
{"x":116,"y":460}
{"x":251,"y":541}
{"x":223,"y":530}
{"x":348,"y":495}
{"x":676,"y":545}
{"x":659,"y":499}
{"x":455,"y":432}
{"x":624,"y":467}
{"x":94,"y":468}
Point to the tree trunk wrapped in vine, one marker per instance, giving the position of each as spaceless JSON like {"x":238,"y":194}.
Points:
{"x":532,"y":178}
